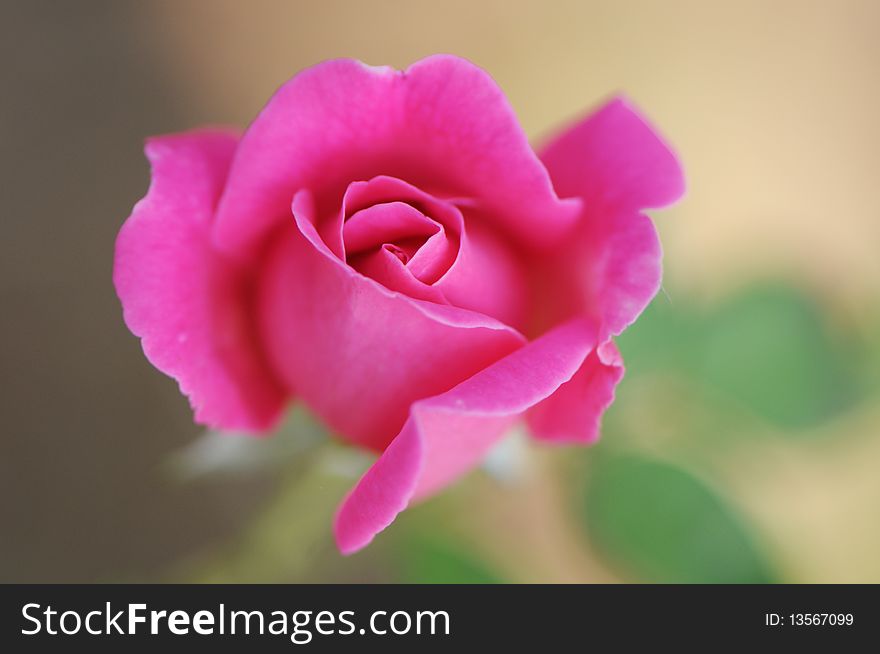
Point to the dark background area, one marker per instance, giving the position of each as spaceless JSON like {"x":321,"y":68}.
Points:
{"x":87,"y":422}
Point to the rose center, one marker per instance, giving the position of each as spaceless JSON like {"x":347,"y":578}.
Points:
{"x":394,"y":241}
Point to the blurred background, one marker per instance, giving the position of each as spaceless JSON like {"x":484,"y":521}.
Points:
{"x":745,"y":442}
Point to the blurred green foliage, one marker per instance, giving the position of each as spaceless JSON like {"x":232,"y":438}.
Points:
{"x":664,"y":525}
{"x":433,"y":561}
{"x":769,"y":349}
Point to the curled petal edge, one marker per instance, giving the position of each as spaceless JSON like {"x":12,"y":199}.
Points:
{"x":448,"y":434}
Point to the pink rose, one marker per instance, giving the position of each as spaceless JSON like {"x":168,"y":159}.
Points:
{"x":387,"y":248}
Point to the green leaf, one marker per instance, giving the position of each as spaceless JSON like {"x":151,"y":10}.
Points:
{"x":769,"y":349}
{"x":661,"y":524}
{"x":433,"y":562}
{"x":660,"y":338}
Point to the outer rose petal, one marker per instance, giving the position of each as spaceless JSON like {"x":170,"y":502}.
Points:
{"x":574,"y":412}
{"x":613,"y":158}
{"x":186,"y":302}
{"x":610,"y":271}
{"x":443,"y":125}
{"x":448,"y":434}
{"x":611,"y":267}
{"x":356,"y":352}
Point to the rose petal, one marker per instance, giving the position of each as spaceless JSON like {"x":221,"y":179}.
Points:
{"x":385,"y":223}
{"x":574,"y":412}
{"x":447,"y":435}
{"x":443,"y":125}
{"x":610,"y":267}
{"x":610,"y":271}
{"x":361,"y":197}
{"x":186,"y":302}
{"x":434,"y":258}
{"x":627,"y":269}
{"x":386,"y":268}
{"x":357,"y":353}
{"x":613,"y":158}
{"x":487,"y":276}
{"x":363,"y":200}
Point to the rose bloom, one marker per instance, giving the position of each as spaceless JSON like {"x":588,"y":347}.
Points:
{"x":388,"y":249}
